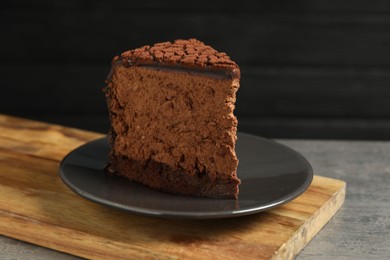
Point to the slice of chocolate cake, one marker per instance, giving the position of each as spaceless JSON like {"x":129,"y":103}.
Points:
{"x":171,"y":110}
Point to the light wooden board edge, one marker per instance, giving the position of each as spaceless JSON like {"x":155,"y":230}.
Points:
{"x":71,"y":246}
{"x":312,"y":226}
{"x":288,"y":250}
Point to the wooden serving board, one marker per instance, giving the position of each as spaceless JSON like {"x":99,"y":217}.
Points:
{"x":35,"y":206}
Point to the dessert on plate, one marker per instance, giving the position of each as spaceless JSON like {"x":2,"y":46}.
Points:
{"x":172,"y":123}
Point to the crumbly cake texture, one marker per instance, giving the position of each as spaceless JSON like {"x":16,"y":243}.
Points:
{"x":188,"y":53}
{"x":172,"y":123}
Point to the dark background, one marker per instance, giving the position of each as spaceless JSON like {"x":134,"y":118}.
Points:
{"x":310,"y":69}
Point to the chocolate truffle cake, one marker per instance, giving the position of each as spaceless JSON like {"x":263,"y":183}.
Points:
{"x":171,"y":110}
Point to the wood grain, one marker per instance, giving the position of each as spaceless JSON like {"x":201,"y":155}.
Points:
{"x":35,"y":206}
{"x":38,"y":139}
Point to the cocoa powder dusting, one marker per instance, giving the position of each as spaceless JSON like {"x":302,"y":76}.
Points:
{"x":188,"y":53}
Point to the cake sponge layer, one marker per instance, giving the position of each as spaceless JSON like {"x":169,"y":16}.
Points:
{"x":174,"y":121}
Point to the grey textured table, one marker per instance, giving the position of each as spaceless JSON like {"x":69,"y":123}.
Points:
{"x":360,"y":229}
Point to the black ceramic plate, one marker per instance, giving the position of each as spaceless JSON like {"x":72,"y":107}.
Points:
{"x":271,"y":174}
